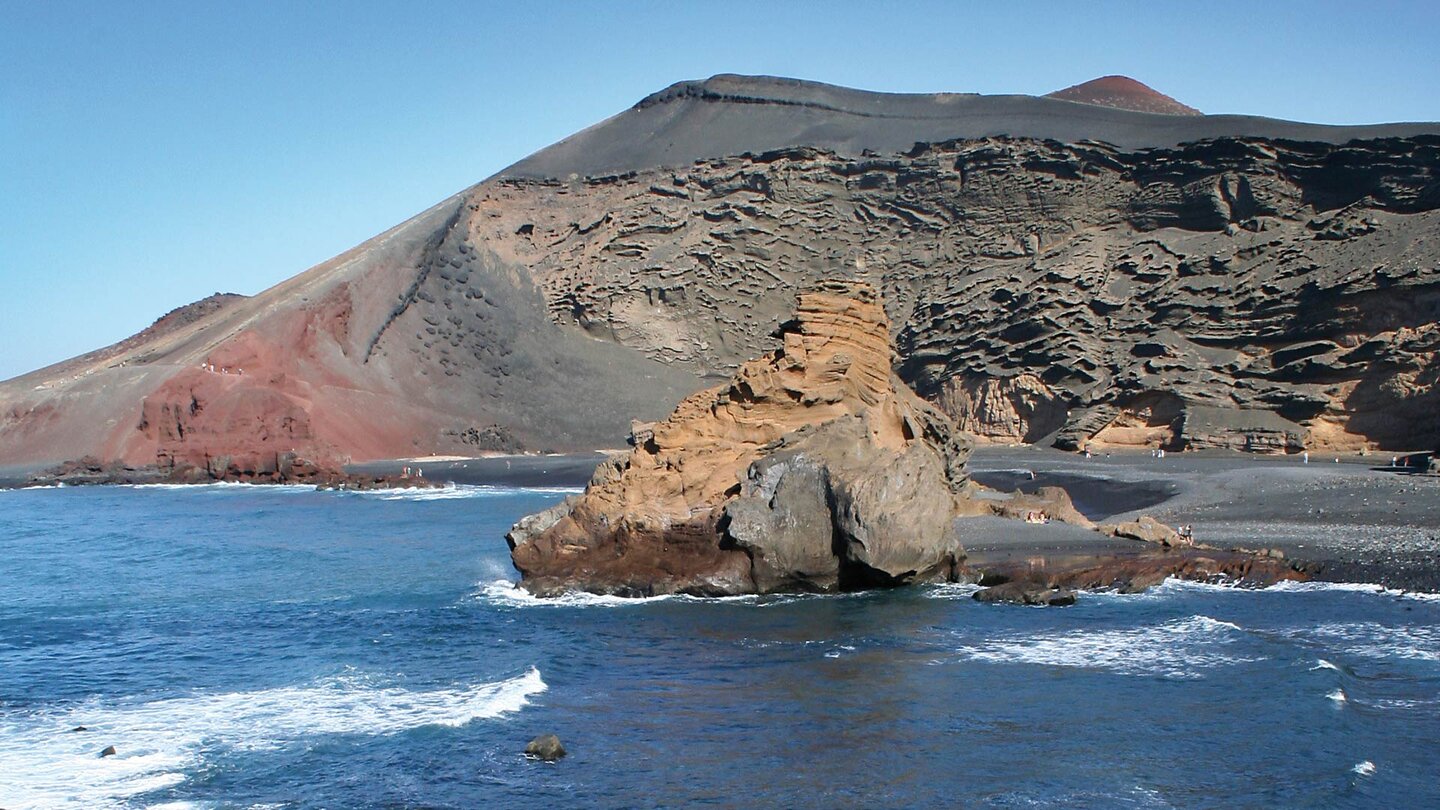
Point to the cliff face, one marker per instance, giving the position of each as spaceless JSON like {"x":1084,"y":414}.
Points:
{"x":1274,"y":285}
{"x":812,"y":469}
{"x":1240,"y":293}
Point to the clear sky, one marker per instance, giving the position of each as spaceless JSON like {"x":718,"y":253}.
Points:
{"x":152,"y":153}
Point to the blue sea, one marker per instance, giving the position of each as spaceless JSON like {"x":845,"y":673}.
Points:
{"x":249,"y":647}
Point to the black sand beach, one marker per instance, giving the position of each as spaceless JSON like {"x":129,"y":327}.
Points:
{"x":1360,"y":522}
{"x":567,"y":470}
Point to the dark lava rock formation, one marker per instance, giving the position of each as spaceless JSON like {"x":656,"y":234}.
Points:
{"x":1052,"y":271}
{"x":282,"y":469}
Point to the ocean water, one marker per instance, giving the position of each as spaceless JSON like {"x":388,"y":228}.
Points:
{"x":256,"y":647}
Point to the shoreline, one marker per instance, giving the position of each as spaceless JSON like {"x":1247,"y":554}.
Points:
{"x":558,"y":470}
{"x":1355,"y":521}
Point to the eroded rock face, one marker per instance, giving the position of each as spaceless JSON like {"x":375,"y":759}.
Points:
{"x":1239,"y":293}
{"x":813,"y":469}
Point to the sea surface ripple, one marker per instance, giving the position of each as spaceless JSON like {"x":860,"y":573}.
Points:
{"x":249,"y":647}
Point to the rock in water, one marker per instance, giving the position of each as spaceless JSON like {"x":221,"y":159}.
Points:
{"x":108,"y":752}
{"x":546,"y":747}
{"x":1026,"y":593}
{"x":813,"y":469}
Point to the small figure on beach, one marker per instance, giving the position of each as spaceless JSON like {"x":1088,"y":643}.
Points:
{"x":1305,"y":457}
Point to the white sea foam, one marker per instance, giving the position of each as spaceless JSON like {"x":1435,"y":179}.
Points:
{"x":1378,"y":641}
{"x":1364,"y":768}
{"x":1338,"y":695}
{"x":45,"y":764}
{"x":458,"y":491}
{"x":1180,"y":649}
{"x":951,"y":590}
{"x":1323,"y":664}
{"x":225,"y":486}
{"x":504,"y":592}
{"x":1353,"y":587}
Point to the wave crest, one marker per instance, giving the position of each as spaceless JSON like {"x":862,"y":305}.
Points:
{"x":45,"y":764}
{"x":1181,"y":649}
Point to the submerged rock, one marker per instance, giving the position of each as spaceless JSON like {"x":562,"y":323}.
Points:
{"x":813,"y":469}
{"x":546,"y":747}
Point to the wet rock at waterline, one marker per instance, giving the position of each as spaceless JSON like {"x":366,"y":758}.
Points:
{"x":546,"y":747}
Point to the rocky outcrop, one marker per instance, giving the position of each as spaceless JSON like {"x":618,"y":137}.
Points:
{"x":1035,"y":564}
{"x":283,"y":468}
{"x":546,"y":748}
{"x":813,"y":469}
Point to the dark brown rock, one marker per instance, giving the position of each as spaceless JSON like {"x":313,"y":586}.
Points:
{"x":108,"y":751}
{"x":1026,"y":593}
{"x":546,"y":747}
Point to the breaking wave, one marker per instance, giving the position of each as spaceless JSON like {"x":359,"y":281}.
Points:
{"x":503,"y":592}
{"x":1181,"y":649}
{"x":456,"y":491}
{"x":44,"y":763}
{"x":1378,"y":641}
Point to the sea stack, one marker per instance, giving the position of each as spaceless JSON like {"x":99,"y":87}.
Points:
{"x":813,"y":469}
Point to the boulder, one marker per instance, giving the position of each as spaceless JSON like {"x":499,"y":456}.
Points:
{"x":546,"y":747}
{"x":108,"y":751}
{"x":1147,"y":530}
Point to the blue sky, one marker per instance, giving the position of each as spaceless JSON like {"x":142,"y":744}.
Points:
{"x":152,"y":153}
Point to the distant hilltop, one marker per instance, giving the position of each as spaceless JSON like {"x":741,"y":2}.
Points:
{"x":1123,"y":93}
{"x":733,"y":115}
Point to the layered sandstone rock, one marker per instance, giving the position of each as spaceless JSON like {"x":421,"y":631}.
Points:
{"x":813,"y":469}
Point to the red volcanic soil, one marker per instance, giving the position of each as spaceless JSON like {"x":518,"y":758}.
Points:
{"x":1124,"y":93}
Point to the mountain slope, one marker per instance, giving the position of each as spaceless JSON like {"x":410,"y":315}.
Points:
{"x":1132,"y":292}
